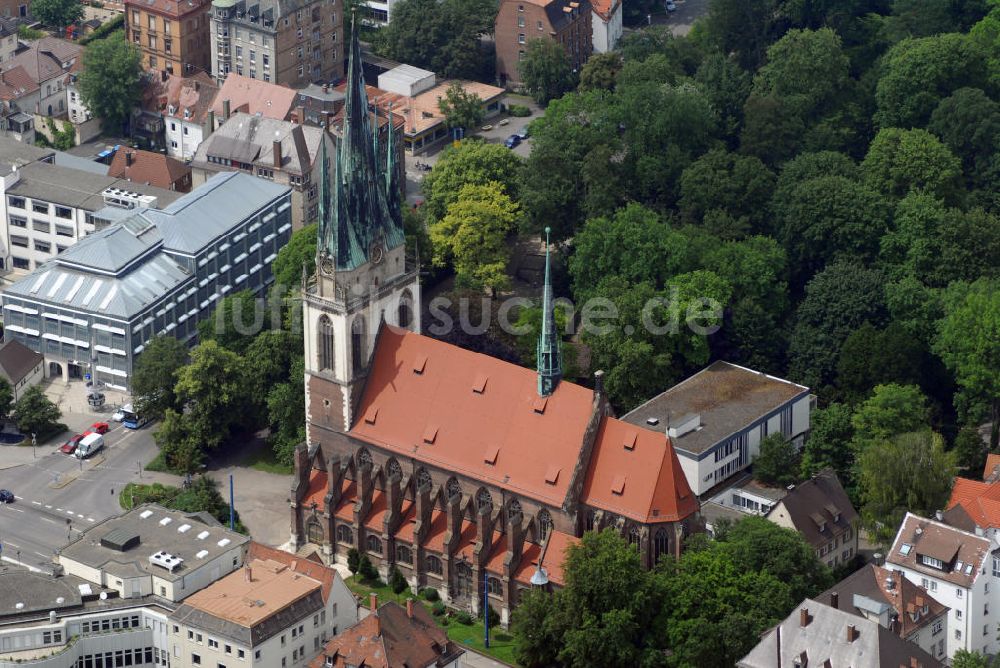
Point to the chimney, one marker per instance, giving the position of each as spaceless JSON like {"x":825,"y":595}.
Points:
{"x":211,"y":122}
{"x":409,"y":608}
{"x":599,"y":382}
{"x":300,"y":115}
{"x":852,"y":633}
{"x":197,"y":85}
{"x":276,"y":144}
{"x":804,"y":617}
{"x":248,"y":574}
{"x":373,"y":602}
{"x":225,"y":110}
{"x":939,"y":515}
{"x":835,"y":600}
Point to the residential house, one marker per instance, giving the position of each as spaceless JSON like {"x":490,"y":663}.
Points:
{"x":567,"y":22}
{"x":745,"y":497}
{"x":425,"y":456}
{"x":41,"y":74}
{"x":254,"y":97}
{"x":278,"y":610}
{"x":280,"y":151}
{"x":153,"y":169}
{"x":173,"y":36}
{"x":46,"y":208}
{"x":15,"y":8}
{"x":8,"y":38}
{"x":718,"y":417}
{"x":886,"y":596}
{"x":317,"y":105}
{"x":377,"y":12}
{"x":96,"y":305}
{"x":414,"y":95}
{"x":175,"y":113}
{"x":820,"y":635}
{"x":607,"y":23}
{"x":20,"y":366}
{"x":288,"y":43}
{"x":391,"y":636}
{"x":951,"y":564}
{"x":820,"y":510}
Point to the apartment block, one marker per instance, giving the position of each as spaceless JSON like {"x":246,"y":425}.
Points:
{"x":172,"y":34}
{"x":567,"y":22}
{"x":290,"y":43}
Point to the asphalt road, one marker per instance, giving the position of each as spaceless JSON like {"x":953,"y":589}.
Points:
{"x":680,"y":22}
{"x":57,"y":496}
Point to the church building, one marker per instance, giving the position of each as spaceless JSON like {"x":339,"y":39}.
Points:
{"x":469,"y":474}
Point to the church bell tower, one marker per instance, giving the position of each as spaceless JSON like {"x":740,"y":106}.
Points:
{"x":363,"y":276}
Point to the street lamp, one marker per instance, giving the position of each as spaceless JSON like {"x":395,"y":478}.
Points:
{"x":34,"y":442}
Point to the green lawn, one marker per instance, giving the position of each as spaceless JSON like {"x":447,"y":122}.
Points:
{"x":262,"y":459}
{"x":501,"y":643}
{"x":158,"y":464}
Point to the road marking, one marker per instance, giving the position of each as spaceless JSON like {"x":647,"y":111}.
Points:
{"x":12,"y":560}
{"x":50,"y":521}
{"x":48,"y":506}
{"x":16,"y":510}
{"x":91,"y":519}
{"x":16,"y":547}
{"x":57,"y":509}
{"x":36,"y":503}
{"x":69,"y":512}
{"x":43,"y":556}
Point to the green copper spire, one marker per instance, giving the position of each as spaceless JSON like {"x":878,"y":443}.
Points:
{"x":392,"y":190}
{"x":356,"y":215}
{"x":549,"y":357}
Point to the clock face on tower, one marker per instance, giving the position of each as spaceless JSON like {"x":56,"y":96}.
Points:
{"x":376,"y":253}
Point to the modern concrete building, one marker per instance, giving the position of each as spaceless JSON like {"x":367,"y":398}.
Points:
{"x":567,"y":22}
{"x":287,"y":42}
{"x":46,"y":208}
{"x":155,"y":272}
{"x":279,"y":151}
{"x":717,"y":418}
{"x":172,"y":34}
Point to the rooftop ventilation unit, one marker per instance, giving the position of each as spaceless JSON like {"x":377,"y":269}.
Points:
{"x":120,"y":539}
{"x":166,"y":560}
{"x":685,"y":425}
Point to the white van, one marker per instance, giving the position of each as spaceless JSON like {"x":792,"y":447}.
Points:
{"x":90,"y":444}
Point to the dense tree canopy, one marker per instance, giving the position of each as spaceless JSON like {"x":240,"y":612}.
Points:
{"x":111,"y":80}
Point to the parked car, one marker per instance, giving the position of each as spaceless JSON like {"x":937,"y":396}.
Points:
{"x":118,"y":415}
{"x":69,"y":447}
{"x":91,"y":444}
{"x":523,"y":134}
{"x":512,"y":141}
{"x":6,"y":496}
{"x":100,"y":427}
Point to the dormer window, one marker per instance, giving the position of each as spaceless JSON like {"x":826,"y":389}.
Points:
{"x":927,"y":560}
{"x":905,"y":548}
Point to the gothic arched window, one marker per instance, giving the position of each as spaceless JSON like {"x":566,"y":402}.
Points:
{"x":404,"y":312}
{"x":544,"y":524}
{"x":325,"y":344}
{"x":314,"y":531}
{"x":364,"y":457}
{"x":633,"y":536}
{"x":423,"y":479}
{"x":373,"y":544}
{"x":484,"y":500}
{"x":393,"y":468}
{"x":494,"y":585}
{"x":514,"y":511}
{"x":359,"y":344}
{"x":345,"y":534}
{"x":434,"y":565}
{"x":404,"y":554}
{"x":453,"y":489}
{"x":661,"y":543}
{"x":591,"y":520}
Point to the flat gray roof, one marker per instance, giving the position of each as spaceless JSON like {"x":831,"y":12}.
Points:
{"x":17,"y":154}
{"x":159,"y":529}
{"x":76,"y":188}
{"x":36,"y":592}
{"x":728,"y":398}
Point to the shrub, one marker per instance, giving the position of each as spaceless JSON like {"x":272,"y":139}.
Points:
{"x":105,"y":29}
{"x":397,"y":581}
{"x":430,"y":594}
{"x":494,"y":617}
{"x":353,"y":560}
{"x":518,"y":110}
{"x":438,"y":609}
{"x":367,"y":569}
{"x":462,"y":617}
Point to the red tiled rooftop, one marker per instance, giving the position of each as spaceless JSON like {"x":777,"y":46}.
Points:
{"x":318,"y":571}
{"x":348,"y":497}
{"x":635,"y":472}
{"x":980,"y":500}
{"x":555,"y":558}
{"x":316,"y":492}
{"x":435,"y":535}
{"x":408,"y":523}
{"x":254,"y":96}
{"x":533,"y":445}
{"x":992,"y":462}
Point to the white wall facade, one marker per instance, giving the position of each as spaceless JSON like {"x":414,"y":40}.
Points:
{"x":78,"y":111}
{"x":34,"y":377}
{"x":182,"y":136}
{"x":606,"y":35}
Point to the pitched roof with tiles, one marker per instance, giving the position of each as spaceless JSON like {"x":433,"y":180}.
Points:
{"x":388,"y":639}
{"x":992,"y":467}
{"x":818,"y":508}
{"x":15,"y":82}
{"x":153,"y":169}
{"x":17,"y":361}
{"x":250,"y":139}
{"x":46,"y":59}
{"x":979,"y":500}
{"x":635,"y":472}
{"x":254,"y":96}
{"x":190,"y":97}
{"x":473,"y":414}
{"x":318,"y":571}
{"x":962,"y":553}
{"x":605,"y":8}
{"x":913,"y":607}
{"x":818,"y":635}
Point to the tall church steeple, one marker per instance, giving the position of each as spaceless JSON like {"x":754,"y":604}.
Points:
{"x":549,"y":356}
{"x":356,"y":216}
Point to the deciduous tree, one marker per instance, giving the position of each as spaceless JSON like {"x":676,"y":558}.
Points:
{"x":899,"y":161}
{"x":827,"y":444}
{"x":35,"y":413}
{"x":777,"y":463}
{"x":600,"y":71}
{"x":57,"y":13}
{"x":741,"y":186}
{"x":546,"y":71}
{"x":111,"y":80}
{"x":891,"y":410}
{"x":461,"y":109}
{"x":154,"y":375}
{"x":472,"y":162}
